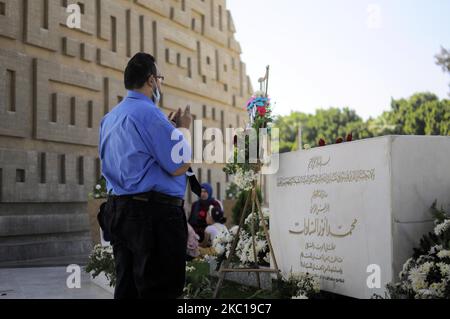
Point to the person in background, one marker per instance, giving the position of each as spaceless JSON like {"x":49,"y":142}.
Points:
{"x":193,"y":250}
{"x":199,"y":210}
{"x":215,"y":221}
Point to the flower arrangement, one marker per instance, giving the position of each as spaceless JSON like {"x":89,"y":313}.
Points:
{"x":232,"y":191}
{"x":99,"y":190}
{"x":244,"y":250}
{"x":101,"y":260}
{"x":259,"y":109}
{"x":427,"y":274}
{"x":244,"y":179}
{"x":299,"y":285}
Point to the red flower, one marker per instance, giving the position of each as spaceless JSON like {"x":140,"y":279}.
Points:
{"x":262,"y":111}
{"x":322,"y":142}
{"x":350,"y":137}
{"x":339,"y":140}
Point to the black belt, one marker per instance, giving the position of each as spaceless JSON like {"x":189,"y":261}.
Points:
{"x":153,"y":197}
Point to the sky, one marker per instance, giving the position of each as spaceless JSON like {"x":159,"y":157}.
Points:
{"x":338,"y":53}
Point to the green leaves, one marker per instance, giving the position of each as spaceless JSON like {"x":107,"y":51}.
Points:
{"x":421,"y":114}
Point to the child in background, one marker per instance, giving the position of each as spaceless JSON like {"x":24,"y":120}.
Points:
{"x":215,"y":221}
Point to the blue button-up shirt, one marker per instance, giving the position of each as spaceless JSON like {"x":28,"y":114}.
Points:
{"x":135,"y":148}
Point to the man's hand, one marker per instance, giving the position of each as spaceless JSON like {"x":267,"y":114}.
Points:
{"x":181,"y":119}
{"x":186,"y":118}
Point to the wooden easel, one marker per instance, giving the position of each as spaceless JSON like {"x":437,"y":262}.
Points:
{"x":253,"y":200}
{"x":225,"y":266}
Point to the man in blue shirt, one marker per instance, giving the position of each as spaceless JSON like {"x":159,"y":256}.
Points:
{"x":147,"y":182}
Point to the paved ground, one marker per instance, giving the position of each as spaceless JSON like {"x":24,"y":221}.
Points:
{"x":46,"y":283}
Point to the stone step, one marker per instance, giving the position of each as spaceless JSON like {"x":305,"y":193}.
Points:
{"x":63,"y":261}
{"x":20,"y":249}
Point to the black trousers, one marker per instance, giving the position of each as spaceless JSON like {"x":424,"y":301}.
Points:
{"x":149,"y":243}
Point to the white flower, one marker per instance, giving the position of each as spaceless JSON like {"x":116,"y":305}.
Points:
{"x":425,"y":267}
{"x":442,"y":227}
{"x":244,"y":179}
{"x":445,"y":269}
{"x":443,"y":254}
{"x":234,"y":230}
{"x":190,"y":268}
{"x":406,"y":267}
{"x":438,"y":289}
{"x":435,"y":249}
{"x":266,"y":213}
{"x":98,"y":187}
{"x":261,"y":245}
{"x":417,"y":279}
{"x":219,"y":249}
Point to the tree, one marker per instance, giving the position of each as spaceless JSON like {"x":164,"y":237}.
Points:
{"x":443,"y":59}
{"x":328,"y":124}
{"x":421,"y":114}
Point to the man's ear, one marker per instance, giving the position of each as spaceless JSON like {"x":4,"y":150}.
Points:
{"x":150,"y":81}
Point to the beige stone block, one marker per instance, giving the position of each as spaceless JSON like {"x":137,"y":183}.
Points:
{"x":41,"y":24}
{"x":10,"y":21}
{"x":16,"y":94}
{"x":114,"y":91}
{"x":111,"y":60}
{"x":30,"y":189}
{"x":87,"y":52}
{"x":70,"y":47}
{"x":157,"y":6}
{"x":47,"y":100}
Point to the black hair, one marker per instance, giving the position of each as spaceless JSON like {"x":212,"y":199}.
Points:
{"x":138,"y":70}
{"x":217,"y":215}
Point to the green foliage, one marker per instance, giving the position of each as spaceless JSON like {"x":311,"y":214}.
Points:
{"x":99,"y":190}
{"x":326,"y":124}
{"x":298,"y":286}
{"x":198,"y":284}
{"x":239,"y":206}
{"x":421,"y":114}
{"x":431,"y":239}
{"x":443,"y":59}
{"x":232,"y":191}
{"x":427,"y":274}
{"x":102,"y":260}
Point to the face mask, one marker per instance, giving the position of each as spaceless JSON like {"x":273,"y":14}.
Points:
{"x":156,"y":94}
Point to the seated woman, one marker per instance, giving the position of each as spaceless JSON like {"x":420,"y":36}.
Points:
{"x":215,"y":221}
{"x":200,"y":208}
